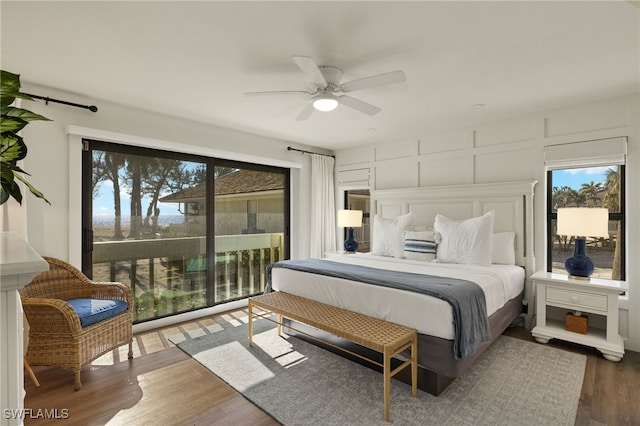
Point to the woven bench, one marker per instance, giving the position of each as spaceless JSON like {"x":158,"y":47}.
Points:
{"x":387,"y":338}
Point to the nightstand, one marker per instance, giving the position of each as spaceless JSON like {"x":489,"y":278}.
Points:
{"x":332,"y":254}
{"x":594,"y":296}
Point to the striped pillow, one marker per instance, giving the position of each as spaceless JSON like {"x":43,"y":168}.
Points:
{"x":420,"y":245}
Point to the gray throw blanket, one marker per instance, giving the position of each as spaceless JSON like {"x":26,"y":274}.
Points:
{"x":466,"y":298}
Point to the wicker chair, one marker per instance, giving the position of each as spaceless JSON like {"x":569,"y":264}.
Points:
{"x":56,"y":337}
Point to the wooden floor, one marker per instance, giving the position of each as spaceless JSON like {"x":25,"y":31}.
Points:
{"x":610,"y":390}
{"x":163,"y":385}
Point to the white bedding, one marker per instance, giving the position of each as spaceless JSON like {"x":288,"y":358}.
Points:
{"x":426,"y":314}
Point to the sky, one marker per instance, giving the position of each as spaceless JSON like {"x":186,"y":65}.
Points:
{"x":103,"y":204}
{"x":574,"y":178}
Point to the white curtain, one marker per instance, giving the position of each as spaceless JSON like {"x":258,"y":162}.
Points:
{"x":323,"y":211}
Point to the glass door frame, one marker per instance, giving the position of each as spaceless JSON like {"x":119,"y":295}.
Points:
{"x":211,"y":163}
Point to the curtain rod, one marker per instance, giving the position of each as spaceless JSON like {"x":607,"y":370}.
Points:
{"x":309,"y":152}
{"x":47,"y":99}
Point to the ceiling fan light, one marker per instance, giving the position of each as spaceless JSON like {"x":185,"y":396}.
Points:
{"x":325,"y":103}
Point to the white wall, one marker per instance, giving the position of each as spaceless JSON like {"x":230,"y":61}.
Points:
{"x":53,"y":162}
{"x":501,"y":151}
{"x":512,"y":150}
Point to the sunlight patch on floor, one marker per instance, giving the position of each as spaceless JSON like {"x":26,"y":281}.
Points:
{"x":233,"y":320}
{"x":169,"y":332}
{"x":193,"y":330}
{"x":234,"y":362}
{"x":143,"y":344}
{"x":278,"y":348}
{"x":117,"y":355}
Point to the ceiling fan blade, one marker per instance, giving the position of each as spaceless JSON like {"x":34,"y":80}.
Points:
{"x":375,"y":80}
{"x":359,"y":105}
{"x":311,"y":69}
{"x":306,"y":112}
{"x":278,"y":92}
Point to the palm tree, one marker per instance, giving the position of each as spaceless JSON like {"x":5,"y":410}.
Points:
{"x":566,"y":196}
{"x":612,"y":202}
{"x":591,"y":191}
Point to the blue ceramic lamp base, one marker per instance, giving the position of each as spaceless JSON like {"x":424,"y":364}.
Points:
{"x":350,"y":244}
{"x":579,"y":265}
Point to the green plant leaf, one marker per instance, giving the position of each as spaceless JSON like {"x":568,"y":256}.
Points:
{"x":10,"y":81}
{"x":32,"y":188}
{"x":9,"y":87}
{"x":4,"y":195}
{"x":9,"y":188}
{"x":13,"y":168}
{"x":11,"y":124}
{"x":12,"y":148}
{"x":16,"y":193}
{"x":6,"y":172}
{"x":26,"y":115}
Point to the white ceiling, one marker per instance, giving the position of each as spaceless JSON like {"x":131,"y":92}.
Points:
{"x":195,"y":59}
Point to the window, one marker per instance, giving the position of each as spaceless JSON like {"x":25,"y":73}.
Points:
{"x":183,"y":231}
{"x":596,"y":179}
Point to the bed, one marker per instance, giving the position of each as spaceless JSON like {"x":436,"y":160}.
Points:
{"x":427,"y":232}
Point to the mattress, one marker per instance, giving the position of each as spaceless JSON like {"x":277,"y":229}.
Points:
{"x":428,"y":315}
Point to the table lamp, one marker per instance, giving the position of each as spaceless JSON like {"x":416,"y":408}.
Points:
{"x":582,"y":222}
{"x":350,"y":219}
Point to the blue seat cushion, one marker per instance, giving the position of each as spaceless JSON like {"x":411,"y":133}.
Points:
{"x":91,"y":311}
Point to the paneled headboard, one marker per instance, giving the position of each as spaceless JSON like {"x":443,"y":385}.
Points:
{"x":511,"y":201}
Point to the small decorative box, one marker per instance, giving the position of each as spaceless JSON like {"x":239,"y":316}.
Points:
{"x":577,"y":324}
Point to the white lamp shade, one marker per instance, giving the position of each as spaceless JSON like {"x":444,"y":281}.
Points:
{"x":350,"y":218}
{"x":583,"y":222}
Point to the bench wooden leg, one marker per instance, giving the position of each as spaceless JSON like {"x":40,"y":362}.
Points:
{"x":250,"y":323}
{"x":279,"y":319}
{"x":414,"y":367}
{"x":387,"y":382}
{"x":278,"y":303}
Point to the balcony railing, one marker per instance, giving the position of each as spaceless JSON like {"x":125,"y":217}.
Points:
{"x":168,"y":275}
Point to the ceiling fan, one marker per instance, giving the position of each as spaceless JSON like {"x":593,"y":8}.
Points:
{"x":328,"y":92}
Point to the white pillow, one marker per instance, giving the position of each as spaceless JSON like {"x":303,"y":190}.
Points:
{"x":388,"y":235}
{"x":504,"y":249}
{"x":420,"y":245}
{"x":467,"y":241}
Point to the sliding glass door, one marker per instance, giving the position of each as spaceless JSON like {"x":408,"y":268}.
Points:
{"x":249,"y":228}
{"x":184,"y":232}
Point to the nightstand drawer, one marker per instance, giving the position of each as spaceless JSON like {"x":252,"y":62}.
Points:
{"x":576,"y":299}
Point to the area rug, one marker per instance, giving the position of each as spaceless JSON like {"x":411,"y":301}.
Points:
{"x":514,"y":382}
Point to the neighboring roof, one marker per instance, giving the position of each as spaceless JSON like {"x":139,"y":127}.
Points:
{"x":238,"y":182}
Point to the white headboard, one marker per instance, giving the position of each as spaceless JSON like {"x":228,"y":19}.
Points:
{"x":511,"y":201}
